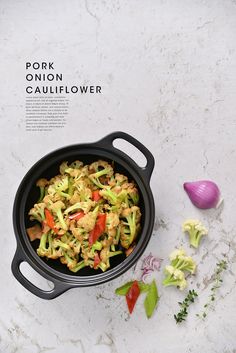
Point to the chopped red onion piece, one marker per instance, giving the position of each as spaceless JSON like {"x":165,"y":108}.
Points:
{"x":149,"y":265}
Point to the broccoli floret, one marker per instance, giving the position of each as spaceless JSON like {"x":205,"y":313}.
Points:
{"x":42,"y":183}
{"x":37,"y":212}
{"x":174,"y":277}
{"x":180,"y":261}
{"x":56,"y":208}
{"x":195,"y":230}
{"x":106,"y":170}
{"x":130,"y":229}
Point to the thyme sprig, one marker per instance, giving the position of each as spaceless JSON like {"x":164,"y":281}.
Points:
{"x":217,"y":282}
{"x":182,"y":314}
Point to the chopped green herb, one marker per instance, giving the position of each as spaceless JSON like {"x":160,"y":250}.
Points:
{"x":217,"y":282}
{"x":182,"y":314}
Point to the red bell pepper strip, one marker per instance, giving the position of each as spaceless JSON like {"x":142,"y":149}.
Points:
{"x":132,"y":296}
{"x":98,"y":229}
{"x":96,"y":260}
{"x":50,"y":220}
{"x":76,"y":215}
{"x":96,"y":196}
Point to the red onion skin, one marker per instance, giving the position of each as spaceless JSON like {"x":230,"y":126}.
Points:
{"x":203,"y":194}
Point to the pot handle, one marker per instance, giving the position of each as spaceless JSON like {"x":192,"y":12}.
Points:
{"x":58,"y":289}
{"x":107,"y":142}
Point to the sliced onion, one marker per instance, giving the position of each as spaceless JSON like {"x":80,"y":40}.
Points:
{"x":145,"y":275}
{"x":150,"y":264}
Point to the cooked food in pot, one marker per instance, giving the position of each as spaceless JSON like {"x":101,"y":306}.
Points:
{"x":86,"y":215}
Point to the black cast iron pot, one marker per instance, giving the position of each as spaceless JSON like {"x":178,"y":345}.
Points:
{"x":28,"y":193}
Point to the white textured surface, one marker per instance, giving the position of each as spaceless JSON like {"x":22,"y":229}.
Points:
{"x":168,"y":73}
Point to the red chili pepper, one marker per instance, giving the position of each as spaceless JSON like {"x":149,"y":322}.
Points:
{"x":96,"y":196}
{"x":76,"y":215}
{"x":96,"y":260}
{"x":132,"y":296}
{"x":98,"y":229}
{"x":50,"y":220}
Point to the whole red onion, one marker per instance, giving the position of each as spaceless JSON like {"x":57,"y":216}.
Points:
{"x":204,"y":194}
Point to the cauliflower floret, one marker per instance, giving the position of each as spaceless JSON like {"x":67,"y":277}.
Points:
{"x":112,"y":220}
{"x":176,"y":253}
{"x":75,"y":198}
{"x":85,"y":206}
{"x":196,"y":230}
{"x":174,"y":277}
{"x":95,"y":166}
{"x":88,"y":221}
{"x":104,"y":254}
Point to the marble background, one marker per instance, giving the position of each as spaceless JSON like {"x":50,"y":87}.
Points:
{"x":168,"y":74}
